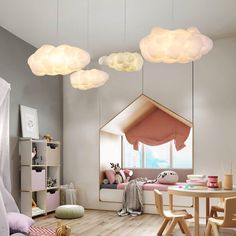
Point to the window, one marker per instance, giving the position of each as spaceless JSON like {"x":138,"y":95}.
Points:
{"x":162,"y":156}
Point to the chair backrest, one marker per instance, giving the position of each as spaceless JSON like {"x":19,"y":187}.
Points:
{"x":159,"y":202}
{"x":230,"y":212}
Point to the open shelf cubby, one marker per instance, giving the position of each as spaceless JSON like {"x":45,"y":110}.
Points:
{"x":40,"y":176}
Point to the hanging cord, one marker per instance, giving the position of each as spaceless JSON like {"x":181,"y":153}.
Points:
{"x":142,"y":79}
{"x":87,"y":25}
{"x":193,"y":93}
{"x":125,"y":17}
{"x":172,"y":13}
{"x":57,"y":25}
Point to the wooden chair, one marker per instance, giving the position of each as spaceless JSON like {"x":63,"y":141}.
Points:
{"x":172,"y":217}
{"x":227,"y":221}
{"x":215,"y":209}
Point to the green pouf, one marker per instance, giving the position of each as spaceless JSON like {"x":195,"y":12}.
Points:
{"x":69,"y":211}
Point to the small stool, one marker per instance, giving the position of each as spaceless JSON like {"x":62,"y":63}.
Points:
{"x":69,"y":212}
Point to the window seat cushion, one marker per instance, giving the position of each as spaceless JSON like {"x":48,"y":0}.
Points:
{"x":146,"y":186}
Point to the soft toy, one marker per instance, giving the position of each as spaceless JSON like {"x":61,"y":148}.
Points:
{"x":51,"y":182}
{"x":62,"y":230}
{"x":118,"y":175}
{"x":48,"y":137}
{"x":167,"y":177}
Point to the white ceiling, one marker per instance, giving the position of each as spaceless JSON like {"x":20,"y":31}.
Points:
{"x":107,"y":28}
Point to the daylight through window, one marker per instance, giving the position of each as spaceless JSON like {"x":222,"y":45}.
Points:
{"x":161,"y":156}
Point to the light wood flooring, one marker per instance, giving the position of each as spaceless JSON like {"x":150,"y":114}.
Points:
{"x":107,"y":223}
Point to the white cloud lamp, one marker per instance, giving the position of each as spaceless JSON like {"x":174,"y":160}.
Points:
{"x":174,"y":46}
{"x":123,"y":61}
{"x":88,"y":79}
{"x":61,"y":60}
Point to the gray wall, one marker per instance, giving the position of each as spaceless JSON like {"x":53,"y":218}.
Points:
{"x":44,"y":94}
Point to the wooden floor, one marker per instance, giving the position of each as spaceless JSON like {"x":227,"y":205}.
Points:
{"x":107,"y":223}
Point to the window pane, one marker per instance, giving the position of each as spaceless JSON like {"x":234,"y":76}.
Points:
{"x":132,"y":158}
{"x":157,"y":156}
{"x":183,"y":158}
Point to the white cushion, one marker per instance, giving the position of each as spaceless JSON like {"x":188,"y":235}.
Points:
{"x":167,"y":177}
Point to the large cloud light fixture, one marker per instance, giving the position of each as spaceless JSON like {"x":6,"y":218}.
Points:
{"x":61,"y":60}
{"x":174,"y":46}
{"x":123,"y":61}
{"x":88,"y":79}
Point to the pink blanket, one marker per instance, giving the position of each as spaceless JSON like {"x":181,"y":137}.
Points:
{"x":152,"y":186}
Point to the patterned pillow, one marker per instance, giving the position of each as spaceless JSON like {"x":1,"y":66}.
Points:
{"x":167,"y":177}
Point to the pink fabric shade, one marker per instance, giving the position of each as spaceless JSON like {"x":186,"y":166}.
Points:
{"x":158,"y":128}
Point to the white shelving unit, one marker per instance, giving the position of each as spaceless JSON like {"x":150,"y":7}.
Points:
{"x":35,"y":172}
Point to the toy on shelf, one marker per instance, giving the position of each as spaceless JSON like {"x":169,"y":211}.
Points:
{"x":36,"y":160}
{"x":51,"y":182}
{"x":48,"y":137}
{"x":34,"y":204}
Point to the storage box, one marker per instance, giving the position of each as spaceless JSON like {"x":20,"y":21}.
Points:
{"x":53,"y":200}
{"x":38,"y":179}
{"x":53,"y":155}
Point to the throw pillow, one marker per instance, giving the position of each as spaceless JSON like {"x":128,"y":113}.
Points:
{"x":123,"y":176}
{"x":110,"y":174}
{"x":19,"y":222}
{"x":167,"y":177}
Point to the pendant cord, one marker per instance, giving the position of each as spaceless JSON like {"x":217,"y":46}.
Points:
{"x":125,"y":18}
{"x":142,"y":79}
{"x":57,"y":26}
{"x":193,"y":93}
{"x":172,"y":13}
{"x":87,"y":23}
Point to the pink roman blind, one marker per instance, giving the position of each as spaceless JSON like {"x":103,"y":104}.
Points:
{"x":158,"y":128}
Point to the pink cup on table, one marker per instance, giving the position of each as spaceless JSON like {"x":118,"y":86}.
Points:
{"x":212,"y":182}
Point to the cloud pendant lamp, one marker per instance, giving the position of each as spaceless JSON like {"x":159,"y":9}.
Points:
{"x":123,"y":61}
{"x":174,"y":46}
{"x":88,"y":79}
{"x":61,"y":60}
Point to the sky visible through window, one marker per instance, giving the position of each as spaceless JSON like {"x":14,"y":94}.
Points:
{"x":161,"y":156}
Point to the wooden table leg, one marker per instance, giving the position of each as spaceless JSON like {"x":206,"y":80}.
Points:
{"x":196,"y":215}
{"x":207,"y":208}
{"x":171,"y":201}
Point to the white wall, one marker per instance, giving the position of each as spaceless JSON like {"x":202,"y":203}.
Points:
{"x":86,"y":111}
{"x":215,"y":113}
{"x":215,"y":109}
{"x":110,"y":151}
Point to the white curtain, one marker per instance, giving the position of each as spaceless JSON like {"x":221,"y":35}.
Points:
{"x":7,"y":203}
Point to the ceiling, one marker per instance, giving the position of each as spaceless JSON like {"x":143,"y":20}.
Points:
{"x":103,"y":26}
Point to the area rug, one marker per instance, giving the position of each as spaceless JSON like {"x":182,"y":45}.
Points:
{"x":41,"y":231}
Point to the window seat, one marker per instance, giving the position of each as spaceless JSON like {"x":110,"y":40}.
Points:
{"x":114,"y":193}
{"x":146,"y":186}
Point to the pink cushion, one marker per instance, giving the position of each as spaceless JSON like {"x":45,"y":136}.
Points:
{"x":110,"y":175}
{"x":152,"y":186}
{"x":19,"y":222}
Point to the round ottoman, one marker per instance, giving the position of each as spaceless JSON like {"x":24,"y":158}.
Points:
{"x":69,"y":211}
